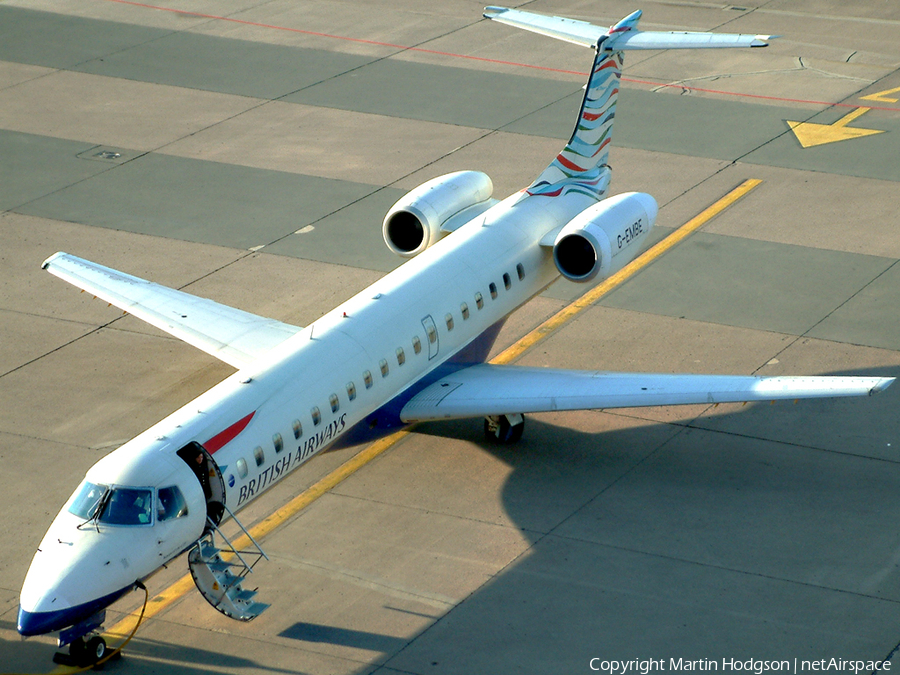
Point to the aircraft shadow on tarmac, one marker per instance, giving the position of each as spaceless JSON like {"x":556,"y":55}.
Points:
{"x":313,"y":632}
{"x":766,"y":531}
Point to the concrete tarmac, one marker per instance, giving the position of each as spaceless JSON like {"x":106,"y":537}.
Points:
{"x":247,"y":151}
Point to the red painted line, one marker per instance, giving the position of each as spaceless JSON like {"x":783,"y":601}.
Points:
{"x":484,"y":59}
{"x":342,"y":37}
{"x":222,"y":438}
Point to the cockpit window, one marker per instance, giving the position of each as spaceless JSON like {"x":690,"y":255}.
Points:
{"x":86,"y":500}
{"x":118,"y":505}
{"x":171,"y":504}
{"x":128,"y":506}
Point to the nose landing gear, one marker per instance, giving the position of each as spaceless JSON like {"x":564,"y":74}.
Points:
{"x":85,"y":651}
{"x":87,"y":648}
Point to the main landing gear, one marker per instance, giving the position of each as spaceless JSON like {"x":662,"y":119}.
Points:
{"x":504,"y":429}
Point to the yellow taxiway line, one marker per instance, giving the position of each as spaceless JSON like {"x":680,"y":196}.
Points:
{"x":177,"y":590}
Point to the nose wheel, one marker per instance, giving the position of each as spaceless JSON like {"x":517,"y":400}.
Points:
{"x":88,"y":651}
{"x":504,"y":429}
{"x":84,"y":652}
{"x":87,"y":647}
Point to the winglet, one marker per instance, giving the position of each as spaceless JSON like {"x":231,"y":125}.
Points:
{"x":883,"y":384}
{"x":46,"y":263}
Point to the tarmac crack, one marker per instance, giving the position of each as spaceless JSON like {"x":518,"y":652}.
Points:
{"x":806,"y":333}
{"x":725,"y":568}
{"x":694,"y":425}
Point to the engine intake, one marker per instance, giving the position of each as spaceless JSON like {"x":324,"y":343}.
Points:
{"x":414,"y":222}
{"x":604,"y":238}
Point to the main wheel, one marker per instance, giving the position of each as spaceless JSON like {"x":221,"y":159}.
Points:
{"x":504,"y":429}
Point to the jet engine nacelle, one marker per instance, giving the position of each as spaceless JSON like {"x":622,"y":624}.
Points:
{"x":414,"y":222}
{"x":604,"y":238}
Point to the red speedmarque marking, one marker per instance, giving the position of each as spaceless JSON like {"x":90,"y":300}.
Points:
{"x":222,"y":438}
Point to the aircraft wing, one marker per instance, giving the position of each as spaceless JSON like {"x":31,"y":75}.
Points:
{"x":587,"y":34}
{"x":229,"y":334}
{"x":487,"y":389}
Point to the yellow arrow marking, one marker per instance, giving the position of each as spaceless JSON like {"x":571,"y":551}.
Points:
{"x":810,"y":134}
{"x":882,"y":96}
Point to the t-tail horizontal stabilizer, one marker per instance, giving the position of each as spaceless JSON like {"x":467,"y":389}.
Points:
{"x":582,"y":167}
{"x":622,"y":36}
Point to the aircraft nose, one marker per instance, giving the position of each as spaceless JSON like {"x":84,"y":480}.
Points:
{"x":41,"y":623}
{"x":59,"y":592}
{"x":38,"y":623}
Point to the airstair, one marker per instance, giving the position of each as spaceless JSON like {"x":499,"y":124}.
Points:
{"x":219,"y":573}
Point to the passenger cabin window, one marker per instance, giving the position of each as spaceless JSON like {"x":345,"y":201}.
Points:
{"x":384,"y":367}
{"x":335,"y":402}
{"x":417,"y":344}
{"x":449,"y":320}
{"x":367,"y":378}
{"x":316,"y":416}
{"x":432,"y":333}
{"x":113,"y":506}
{"x":278,"y":442}
{"x":401,"y":357}
{"x":351,"y":391}
{"x":241,"y":466}
{"x":520,"y":270}
{"x":171,"y":504}
{"x":259,"y":456}
{"x":479,"y":300}
{"x":493,"y":289}
{"x":298,"y":429}
{"x":464,"y":308}
{"x":507,"y":281}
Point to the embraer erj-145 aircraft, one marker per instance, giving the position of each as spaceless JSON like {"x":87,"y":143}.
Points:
{"x":409,"y":348}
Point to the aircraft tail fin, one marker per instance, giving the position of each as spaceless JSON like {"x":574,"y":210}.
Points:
{"x":582,"y":166}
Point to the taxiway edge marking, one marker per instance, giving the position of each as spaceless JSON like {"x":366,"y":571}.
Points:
{"x":569,"y":312}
